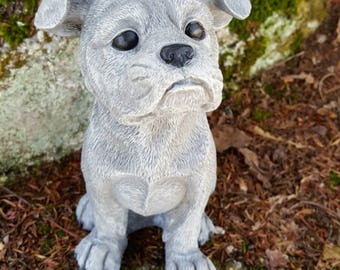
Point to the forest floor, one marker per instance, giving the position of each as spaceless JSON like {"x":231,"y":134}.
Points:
{"x":278,"y":188}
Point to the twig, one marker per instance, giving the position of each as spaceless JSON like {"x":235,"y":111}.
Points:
{"x":15,"y":195}
{"x":328,"y":211}
{"x":62,"y":228}
{"x":260,"y":132}
{"x":333,"y":89}
{"x":291,"y":58}
{"x":328,"y":75}
{"x":335,"y":142}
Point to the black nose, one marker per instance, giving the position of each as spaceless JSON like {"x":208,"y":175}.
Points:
{"x":177,"y":55}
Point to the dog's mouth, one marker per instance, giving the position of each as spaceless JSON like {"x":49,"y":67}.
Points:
{"x":186,"y":85}
{"x":186,"y":95}
{"x":189,"y":94}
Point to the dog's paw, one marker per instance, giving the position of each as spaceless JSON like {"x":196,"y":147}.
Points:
{"x":190,"y":261}
{"x":84,"y":213}
{"x":97,"y":254}
{"x":208,"y":230}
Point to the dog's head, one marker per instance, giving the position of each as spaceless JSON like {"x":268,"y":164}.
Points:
{"x":145,"y":58}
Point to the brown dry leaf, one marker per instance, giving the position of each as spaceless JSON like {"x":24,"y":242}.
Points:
{"x":309,"y":79}
{"x":331,"y":252}
{"x":243,"y":185}
{"x":292,"y":231}
{"x":337,"y":40}
{"x":252,"y":160}
{"x":322,"y":111}
{"x":2,"y":251}
{"x":276,"y":259}
{"x":333,"y":115}
{"x":288,"y":79}
{"x":227,"y":136}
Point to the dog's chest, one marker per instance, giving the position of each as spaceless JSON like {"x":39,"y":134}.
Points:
{"x":150,"y":196}
{"x":161,"y":180}
{"x":150,"y":176}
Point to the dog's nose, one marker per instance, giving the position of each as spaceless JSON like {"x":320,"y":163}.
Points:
{"x":177,"y":55}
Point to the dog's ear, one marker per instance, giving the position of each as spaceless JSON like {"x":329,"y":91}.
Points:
{"x":225,"y":10}
{"x":62,"y":17}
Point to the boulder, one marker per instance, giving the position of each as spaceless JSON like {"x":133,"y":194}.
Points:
{"x":44,"y":104}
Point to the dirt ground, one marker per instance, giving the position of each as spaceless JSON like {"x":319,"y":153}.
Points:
{"x":278,"y":189}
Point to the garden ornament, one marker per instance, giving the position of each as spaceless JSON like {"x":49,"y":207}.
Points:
{"x":148,"y":157}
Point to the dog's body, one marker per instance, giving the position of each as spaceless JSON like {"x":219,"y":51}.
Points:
{"x":148,"y":156}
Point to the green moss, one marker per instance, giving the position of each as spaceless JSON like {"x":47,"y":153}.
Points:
{"x":296,"y":44}
{"x":260,"y":115}
{"x":315,"y":10}
{"x":30,"y":6}
{"x":10,"y":60}
{"x":46,"y":245}
{"x":279,"y":94}
{"x":226,"y":71}
{"x":256,"y":47}
{"x":14,"y":31}
{"x":268,"y":89}
{"x":274,"y":30}
{"x":60,"y":233}
{"x":49,"y":207}
{"x":73,"y":217}
{"x":43,"y":228}
{"x":293,"y":96}
{"x":254,"y":50}
{"x":16,"y":20}
{"x":334,"y":178}
{"x":262,"y":9}
{"x":3,"y":64}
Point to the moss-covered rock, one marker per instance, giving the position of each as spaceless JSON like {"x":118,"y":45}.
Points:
{"x":44,"y":105}
{"x":273,"y":32}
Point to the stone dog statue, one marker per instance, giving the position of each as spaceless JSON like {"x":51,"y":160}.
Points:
{"x":148,"y":157}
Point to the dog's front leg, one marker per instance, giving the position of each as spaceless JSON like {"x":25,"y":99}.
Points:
{"x":103,"y":248}
{"x":183,"y":225}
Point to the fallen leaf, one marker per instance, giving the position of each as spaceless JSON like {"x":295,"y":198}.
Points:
{"x":309,"y":79}
{"x":243,"y":185}
{"x":337,"y":40}
{"x":333,"y":116}
{"x":276,"y":259}
{"x":2,"y":251}
{"x":322,"y":111}
{"x":331,"y":252}
{"x":252,"y":160}
{"x":228,"y":136}
{"x":288,"y":79}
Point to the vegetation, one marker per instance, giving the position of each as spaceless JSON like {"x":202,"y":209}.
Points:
{"x":15,"y":23}
{"x":262,"y":9}
{"x":258,"y":33}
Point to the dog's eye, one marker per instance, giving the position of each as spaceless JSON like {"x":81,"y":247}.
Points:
{"x":125,"y":41}
{"x":195,"y":30}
